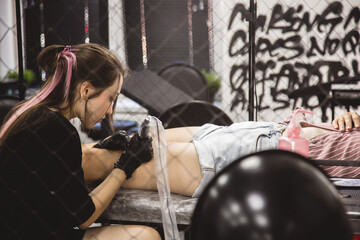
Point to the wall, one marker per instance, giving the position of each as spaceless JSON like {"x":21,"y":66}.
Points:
{"x":299,"y":44}
{"x":8,"y":49}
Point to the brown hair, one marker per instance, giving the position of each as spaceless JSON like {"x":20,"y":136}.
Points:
{"x":93,"y":63}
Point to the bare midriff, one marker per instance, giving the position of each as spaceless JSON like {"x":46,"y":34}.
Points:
{"x":311,"y":132}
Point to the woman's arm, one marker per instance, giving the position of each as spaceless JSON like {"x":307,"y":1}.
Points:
{"x":138,"y":151}
{"x":97,"y":163}
{"x":103,"y":194}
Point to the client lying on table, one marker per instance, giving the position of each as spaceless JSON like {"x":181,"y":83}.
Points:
{"x":196,"y":154}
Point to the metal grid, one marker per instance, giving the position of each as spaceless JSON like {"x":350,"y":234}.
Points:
{"x":299,"y":45}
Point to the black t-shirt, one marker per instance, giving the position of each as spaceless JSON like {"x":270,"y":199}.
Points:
{"x":43,"y":194}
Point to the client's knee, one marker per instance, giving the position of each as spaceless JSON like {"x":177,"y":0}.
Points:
{"x":123,"y":232}
{"x":149,"y":233}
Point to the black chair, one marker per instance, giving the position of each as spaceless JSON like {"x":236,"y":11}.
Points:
{"x":153,"y":92}
{"x":6,"y":104}
{"x":187,"y":78}
{"x":194,"y":113}
{"x":150,"y":91}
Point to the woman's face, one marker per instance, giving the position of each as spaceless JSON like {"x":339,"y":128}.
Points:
{"x":99,"y":106}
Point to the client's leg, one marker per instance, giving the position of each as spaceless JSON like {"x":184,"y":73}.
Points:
{"x":183,"y":166}
{"x":98,"y":163}
{"x":184,"y":171}
{"x":182,"y":134}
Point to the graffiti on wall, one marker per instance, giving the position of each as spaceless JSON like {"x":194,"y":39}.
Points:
{"x":296,"y":48}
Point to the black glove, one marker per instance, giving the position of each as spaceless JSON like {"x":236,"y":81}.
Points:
{"x":139,"y":151}
{"x":118,"y":141}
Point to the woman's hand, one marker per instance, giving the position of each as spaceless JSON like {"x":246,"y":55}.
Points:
{"x":139,"y":151}
{"x":347,"y":121}
{"x":118,"y":141}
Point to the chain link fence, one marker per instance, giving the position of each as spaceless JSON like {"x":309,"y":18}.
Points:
{"x":306,"y":54}
{"x":301,"y":47}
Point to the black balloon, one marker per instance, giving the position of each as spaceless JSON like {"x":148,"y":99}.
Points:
{"x":270,"y":195}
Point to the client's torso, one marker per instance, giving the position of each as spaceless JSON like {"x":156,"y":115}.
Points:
{"x":311,"y":132}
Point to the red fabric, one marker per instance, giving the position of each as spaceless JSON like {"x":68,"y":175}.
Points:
{"x":334,"y":145}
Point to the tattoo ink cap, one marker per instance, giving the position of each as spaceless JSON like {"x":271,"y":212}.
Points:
{"x":292,"y":139}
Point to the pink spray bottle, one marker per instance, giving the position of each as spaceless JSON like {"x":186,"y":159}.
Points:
{"x":292,"y":139}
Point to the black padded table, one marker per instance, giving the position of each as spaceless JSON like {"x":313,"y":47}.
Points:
{"x":143,"y":207}
{"x":131,"y":205}
{"x":351,"y":200}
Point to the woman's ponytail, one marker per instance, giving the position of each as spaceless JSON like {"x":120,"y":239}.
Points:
{"x":61,"y":64}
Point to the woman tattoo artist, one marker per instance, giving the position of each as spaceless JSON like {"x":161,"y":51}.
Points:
{"x":44,"y":195}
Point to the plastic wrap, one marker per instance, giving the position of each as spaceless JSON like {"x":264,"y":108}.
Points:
{"x":157,"y":132}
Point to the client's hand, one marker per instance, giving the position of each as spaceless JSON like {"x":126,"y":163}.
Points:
{"x":118,"y":141}
{"x":139,"y":151}
{"x":346,"y":121}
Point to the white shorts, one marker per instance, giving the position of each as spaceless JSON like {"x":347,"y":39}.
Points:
{"x":217,"y":146}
